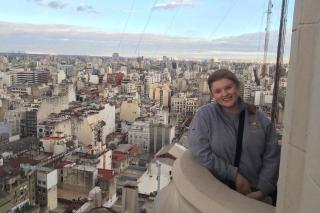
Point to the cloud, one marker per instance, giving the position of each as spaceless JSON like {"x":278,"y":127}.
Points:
{"x":56,"y":5}
{"x":73,"y":40}
{"x":86,"y":8}
{"x":50,"y":4}
{"x":173,"y":4}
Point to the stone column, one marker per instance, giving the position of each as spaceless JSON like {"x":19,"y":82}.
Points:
{"x":299,"y":182}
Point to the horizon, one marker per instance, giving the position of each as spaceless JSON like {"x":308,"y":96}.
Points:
{"x":195,"y":29}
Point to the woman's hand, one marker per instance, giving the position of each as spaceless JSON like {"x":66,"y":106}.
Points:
{"x":242,"y":185}
{"x":258,"y":195}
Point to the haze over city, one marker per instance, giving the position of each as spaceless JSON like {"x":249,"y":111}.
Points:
{"x":183,"y":28}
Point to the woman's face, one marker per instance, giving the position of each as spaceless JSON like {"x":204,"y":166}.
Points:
{"x":226,"y":93}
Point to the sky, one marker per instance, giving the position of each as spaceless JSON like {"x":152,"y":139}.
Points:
{"x":176,"y":28}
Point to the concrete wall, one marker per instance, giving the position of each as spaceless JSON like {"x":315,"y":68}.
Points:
{"x":61,"y":75}
{"x":64,"y":126}
{"x":50,"y":105}
{"x":299,"y":183}
{"x":83,"y":131}
{"x":52,"y":201}
{"x":108,"y":115}
{"x":129,"y":111}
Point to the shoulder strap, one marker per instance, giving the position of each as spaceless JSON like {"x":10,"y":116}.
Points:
{"x":239,"y":139}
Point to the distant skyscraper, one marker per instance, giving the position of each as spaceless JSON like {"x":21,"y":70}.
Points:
{"x":32,"y":77}
{"x":115,"y":56}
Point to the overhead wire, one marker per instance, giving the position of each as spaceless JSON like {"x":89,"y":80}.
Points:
{"x":125,"y":25}
{"x":233,"y":4}
{"x":144,"y":28}
{"x":167,"y":29}
{"x":260,"y":30}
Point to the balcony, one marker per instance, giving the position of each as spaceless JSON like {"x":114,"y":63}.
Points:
{"x":195,"y":190}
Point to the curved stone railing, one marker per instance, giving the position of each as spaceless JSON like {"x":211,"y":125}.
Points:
{"x":195,"y":190}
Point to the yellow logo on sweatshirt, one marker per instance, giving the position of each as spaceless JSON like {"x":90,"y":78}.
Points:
{"x":255,"y":123}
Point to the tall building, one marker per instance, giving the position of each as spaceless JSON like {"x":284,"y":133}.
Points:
{"x":184,"y":105}
{"x":160,"y":92}
{"x":17,"y":189}
{"x":130,"y":199}
{"x":5,"y":132}
{"x":29,"y":123}
{"x":160,"y":135}
{"x":139,"y":133}
{"x":79,"y":178}
{"x":14,"y":118}
{"x":127,"y":86}
{"x":31,"y":77}
{"x":115,"y":56}
{"x":47,"y":193}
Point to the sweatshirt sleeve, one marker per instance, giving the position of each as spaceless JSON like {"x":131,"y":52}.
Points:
{"x":268,"y":175}
{"x":199,"y":145}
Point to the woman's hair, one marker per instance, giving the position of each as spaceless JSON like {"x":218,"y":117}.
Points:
{"x":223,"y":74}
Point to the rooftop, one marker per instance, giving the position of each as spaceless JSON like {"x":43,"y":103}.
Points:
{"x":118,"y":156}
{"x":106,"y":174}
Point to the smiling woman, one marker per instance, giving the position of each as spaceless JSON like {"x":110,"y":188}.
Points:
{"x":236,"y":142}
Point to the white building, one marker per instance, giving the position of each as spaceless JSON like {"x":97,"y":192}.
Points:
{"x":47,"y":193}
{"x":6,"y":79}
{"x":13,"y":117}
{"x":139,"y":133}
{"x":258,"y":98}
{"x":184,"y":105}
{"x":247,"y":93}
{"x":108,"y":115}
{"x":94,"y":79}
{"x":55,"y":144}
{"x":89,"y":129}
{"x":160,"y":136}
{"x":61,"y":76}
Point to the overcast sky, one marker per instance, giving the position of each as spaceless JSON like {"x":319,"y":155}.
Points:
{"x":176,"y":28}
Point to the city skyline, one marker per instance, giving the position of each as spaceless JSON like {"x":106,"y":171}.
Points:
{"x":181,"y":29}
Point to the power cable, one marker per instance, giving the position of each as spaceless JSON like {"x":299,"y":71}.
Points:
{"x":144,"y":28}
{"x":223,"y":18}
{"x":260,"y":30}
{"x":125,"y":25}
{"x":167,"y":29}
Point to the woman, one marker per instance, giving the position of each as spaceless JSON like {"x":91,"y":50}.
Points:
{"x":213,"y":138}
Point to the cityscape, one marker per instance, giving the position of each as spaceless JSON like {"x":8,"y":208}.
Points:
{"x":76,"y":129}
{"x":95,"y":114}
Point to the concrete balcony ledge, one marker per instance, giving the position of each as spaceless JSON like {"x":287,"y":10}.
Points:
{"x":195,"y":190}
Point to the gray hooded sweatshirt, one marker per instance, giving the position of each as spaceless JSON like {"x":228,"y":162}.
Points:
{"x":212,"y":139}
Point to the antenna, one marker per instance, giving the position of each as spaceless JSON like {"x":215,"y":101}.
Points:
{"x":282,"y":33}
{"x":266,"y":40}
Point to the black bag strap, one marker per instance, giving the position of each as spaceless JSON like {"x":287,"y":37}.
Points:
{"x":239,"y":139}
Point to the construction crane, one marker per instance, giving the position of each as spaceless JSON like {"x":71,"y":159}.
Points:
{"x":266,"y":47}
